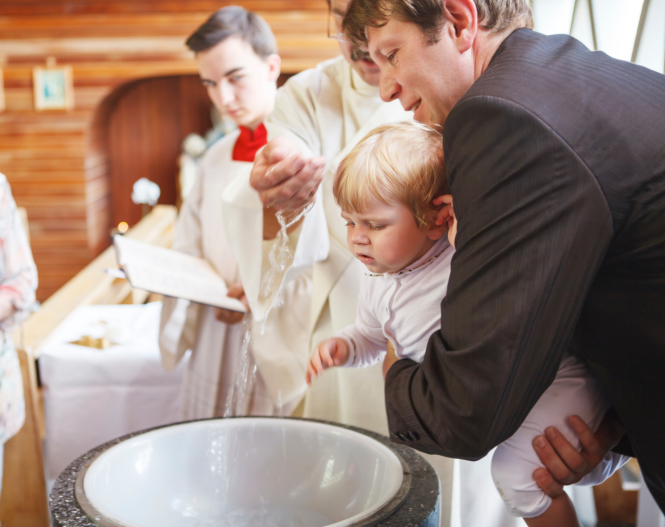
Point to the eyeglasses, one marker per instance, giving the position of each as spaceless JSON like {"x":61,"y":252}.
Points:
{"x":339,"y":37}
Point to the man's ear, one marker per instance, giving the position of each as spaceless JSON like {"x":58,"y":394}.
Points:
{"x":461,"y":17}
{"x":274,"y":63}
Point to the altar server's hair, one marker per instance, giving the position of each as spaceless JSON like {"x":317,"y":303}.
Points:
{"x":399,"y":162}
{"x":234,"y":21}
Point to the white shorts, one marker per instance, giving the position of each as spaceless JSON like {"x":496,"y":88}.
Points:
{"x":574,"y":392}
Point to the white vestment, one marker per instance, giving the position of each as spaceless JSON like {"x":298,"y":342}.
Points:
{"x":280,"y":353}
{"x":328,"y":109}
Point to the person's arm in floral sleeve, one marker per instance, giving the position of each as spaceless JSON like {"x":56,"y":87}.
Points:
{"x":18,"y":274}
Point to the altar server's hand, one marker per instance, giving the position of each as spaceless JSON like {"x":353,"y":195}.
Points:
{"x":283,"y":177}
{"x":564,"y":464}
{"x":233,"y":317}
{"x":331,"y":352}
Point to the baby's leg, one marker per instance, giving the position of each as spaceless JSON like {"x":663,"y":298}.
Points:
{"x":560,"y":513}
{"x":573,"y":391}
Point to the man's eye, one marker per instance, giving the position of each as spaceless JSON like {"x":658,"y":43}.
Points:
{"x":235,"y":78}
{"x":377,"y":227}
{"x":391,"y":57}
{"x":350,"y":224}
{"x":208,"y":84}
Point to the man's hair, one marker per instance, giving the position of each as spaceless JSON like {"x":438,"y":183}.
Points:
{"x":399,"y":162}
{"x":493,"y":15}
{"x":234,"y":21}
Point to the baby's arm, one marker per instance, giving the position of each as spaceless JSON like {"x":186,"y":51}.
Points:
{"x":332,"y":352}
{"x":356,"y":346}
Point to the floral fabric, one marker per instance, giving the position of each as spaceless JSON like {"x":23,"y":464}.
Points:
{"x":18,"y":282}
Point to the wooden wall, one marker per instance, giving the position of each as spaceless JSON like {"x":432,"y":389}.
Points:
{"x":145,"y":134}
{"x":58,"y":162}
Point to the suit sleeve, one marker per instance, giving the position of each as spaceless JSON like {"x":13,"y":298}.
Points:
{"x":533,"y":229}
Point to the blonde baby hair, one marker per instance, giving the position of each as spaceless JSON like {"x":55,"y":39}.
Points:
{"x":399,"y":162}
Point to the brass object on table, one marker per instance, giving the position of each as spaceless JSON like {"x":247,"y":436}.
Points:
{"x":88,"y":341}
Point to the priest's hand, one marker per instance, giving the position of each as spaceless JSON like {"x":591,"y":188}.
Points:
{"x":283,"y":177}
{"x":233,"y":317}
{"x":564,"y":464}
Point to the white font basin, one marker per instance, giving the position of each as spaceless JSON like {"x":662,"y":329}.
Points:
{"x":241,"y":473}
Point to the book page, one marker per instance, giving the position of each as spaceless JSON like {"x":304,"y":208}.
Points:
{"x":172,"y":273}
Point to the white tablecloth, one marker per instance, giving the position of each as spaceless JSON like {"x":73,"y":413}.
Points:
{"x":92,"y":396}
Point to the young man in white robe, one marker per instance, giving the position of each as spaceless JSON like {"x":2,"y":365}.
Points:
{"x":238,"y":64}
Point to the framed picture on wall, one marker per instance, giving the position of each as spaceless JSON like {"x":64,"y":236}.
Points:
{"x":2,"y":92}
{"x":53,"y":88}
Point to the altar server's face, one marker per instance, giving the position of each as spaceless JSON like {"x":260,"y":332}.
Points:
{"x":359,"y":60}
{"x":239,"y":82}
{"x":385,"y":236}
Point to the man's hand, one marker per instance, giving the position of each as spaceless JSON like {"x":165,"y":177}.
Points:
{"x":390,"y":359}
{"x":447,"y":214}
{"x":332,"y":352}
{"x":233,"y":317}
{"x":564,"y":464}
{"x":284,"y":179}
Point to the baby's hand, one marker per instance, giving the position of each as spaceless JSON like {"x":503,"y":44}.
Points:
{"x":447,"y":214}
{"x":331,"y":352}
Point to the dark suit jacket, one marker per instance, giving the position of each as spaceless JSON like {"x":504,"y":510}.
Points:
{"x":556,"y":162}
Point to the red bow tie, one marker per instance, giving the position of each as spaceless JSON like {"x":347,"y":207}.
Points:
{"x":249,"y":142}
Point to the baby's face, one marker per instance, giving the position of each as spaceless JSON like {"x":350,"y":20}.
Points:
{"x":385,"y":237}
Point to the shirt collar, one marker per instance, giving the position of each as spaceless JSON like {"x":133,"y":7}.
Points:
{"x":434,"y":252}
{"x":249,"y":142}
{"x":360,"y":86}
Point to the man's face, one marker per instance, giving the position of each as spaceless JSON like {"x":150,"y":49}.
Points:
{"x":359,"y":60}
{"x":239,"y":82}
{"x":427,"y":78}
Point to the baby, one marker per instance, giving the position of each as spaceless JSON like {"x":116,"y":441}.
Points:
{"x":386,"y":188}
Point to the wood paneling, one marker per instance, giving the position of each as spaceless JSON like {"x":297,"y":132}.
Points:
{"x":58,"y":162}
{"x":146,"y":130}
{"x":77,"y":7}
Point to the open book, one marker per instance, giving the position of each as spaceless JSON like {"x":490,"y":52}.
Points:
{"x":172,"y":273}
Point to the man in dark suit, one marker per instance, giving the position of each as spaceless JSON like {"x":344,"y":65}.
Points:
{"x":556,"y":161}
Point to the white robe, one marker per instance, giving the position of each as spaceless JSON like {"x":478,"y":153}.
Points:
{"x":329,"y":109}
{"x":280,"y":356}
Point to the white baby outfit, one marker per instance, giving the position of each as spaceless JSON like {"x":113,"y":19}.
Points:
{"x":404,"y":308}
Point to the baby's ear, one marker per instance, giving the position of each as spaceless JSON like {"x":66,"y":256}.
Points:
{"x":443,"y":217}
{"x":440,"y":225}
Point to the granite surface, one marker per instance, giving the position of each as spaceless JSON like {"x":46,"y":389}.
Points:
{"x":416,"y":505}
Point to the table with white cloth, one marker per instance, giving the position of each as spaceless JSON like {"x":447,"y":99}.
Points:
{"x":94,"y":395}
